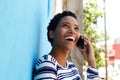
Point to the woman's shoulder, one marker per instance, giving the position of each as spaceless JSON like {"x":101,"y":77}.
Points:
{"x":44,"y":68}
{"x":45,"y":60}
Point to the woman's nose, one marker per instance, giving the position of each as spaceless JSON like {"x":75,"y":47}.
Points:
{"x":71,"y":30}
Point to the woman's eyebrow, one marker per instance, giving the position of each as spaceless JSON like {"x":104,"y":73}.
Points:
{"x":68,"y":23}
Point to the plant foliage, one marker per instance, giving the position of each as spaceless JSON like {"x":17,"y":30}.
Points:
{"x":91,"y":15}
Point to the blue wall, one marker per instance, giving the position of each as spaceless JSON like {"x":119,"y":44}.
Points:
{"x":44,"y":21}
{"x":22,"y":36}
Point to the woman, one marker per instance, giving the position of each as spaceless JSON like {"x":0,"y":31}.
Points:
{"x":63,"y":34}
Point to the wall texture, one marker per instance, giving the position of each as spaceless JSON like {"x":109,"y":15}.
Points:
{"x":22,"y":27}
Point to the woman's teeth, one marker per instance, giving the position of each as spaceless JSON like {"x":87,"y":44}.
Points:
{"x":70,"y":38}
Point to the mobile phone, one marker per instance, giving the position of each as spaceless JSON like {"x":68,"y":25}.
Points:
{"x":80,"y":43}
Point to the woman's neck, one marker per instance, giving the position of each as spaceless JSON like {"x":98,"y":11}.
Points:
{"x":60,"y":56}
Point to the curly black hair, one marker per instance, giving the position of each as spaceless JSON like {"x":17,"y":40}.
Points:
{"x":55,"y":21}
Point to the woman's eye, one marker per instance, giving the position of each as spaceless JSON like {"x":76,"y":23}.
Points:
{"x":77,"y":29}
{"x":66,"y":26}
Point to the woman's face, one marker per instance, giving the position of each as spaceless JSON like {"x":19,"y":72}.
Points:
{"x":66,"y":33}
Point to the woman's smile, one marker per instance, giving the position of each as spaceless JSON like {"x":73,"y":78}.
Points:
{"x":70,"y":38}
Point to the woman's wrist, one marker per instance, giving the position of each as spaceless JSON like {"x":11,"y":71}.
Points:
{"x":92,"y":63}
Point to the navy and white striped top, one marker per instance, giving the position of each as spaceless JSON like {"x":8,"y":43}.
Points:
{"x":47,"y":68}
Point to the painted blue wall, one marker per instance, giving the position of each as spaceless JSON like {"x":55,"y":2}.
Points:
{"x":22,"y":36}
{"x":44,"y":21}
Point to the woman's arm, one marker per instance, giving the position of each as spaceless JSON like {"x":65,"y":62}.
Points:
{"x":88,"y":54}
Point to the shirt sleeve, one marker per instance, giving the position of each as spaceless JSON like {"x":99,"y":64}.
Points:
{"x":45,"y":71}
{"x":92,"y":73}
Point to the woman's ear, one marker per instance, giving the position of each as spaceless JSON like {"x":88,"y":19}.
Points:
{"x":51,"y":35}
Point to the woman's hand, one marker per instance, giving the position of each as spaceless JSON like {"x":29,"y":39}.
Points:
{"x":88,"y":52}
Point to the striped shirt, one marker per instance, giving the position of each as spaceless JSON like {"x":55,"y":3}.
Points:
{"x":47,"y":68}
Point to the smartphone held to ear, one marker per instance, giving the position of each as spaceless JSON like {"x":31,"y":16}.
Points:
{"x":80,"y":43}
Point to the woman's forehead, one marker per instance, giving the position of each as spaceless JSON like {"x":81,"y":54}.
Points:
{"x":69,"y":20}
